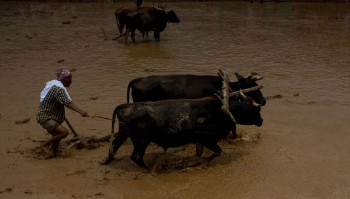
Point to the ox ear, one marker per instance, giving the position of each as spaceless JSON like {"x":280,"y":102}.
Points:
{"x":239,"y":77}
{"x":255,"y":76}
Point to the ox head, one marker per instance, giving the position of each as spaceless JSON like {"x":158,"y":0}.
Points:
{"x":172,"y":17}
{"x":249,"y":82}
{"x":246,"y":113}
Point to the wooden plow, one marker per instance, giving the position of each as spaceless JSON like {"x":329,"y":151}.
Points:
{"x":80,"y":141}
{"x":226,"y":92}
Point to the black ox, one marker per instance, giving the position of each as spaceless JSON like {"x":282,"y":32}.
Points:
{"x":173,"y":123}
{"x":143,"y":19}
{"x":154,"y":88}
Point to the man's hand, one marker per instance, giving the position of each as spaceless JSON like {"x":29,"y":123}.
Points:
{"x":84,"y":114}
{"x":75,"y":108}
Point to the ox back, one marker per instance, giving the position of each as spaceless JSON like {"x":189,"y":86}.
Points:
{"x":154,"y":88}
{"x":172,"y":123}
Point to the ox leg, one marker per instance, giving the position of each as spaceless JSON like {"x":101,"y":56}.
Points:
{"x":139,"y":151}
{"x":234,"y":134}
{"x":145,"y":33}
{"x":215,"y":148}
{"x":156,"y":35}
{"x":199,"y":150}
{"x":120,"y":25}
{"x":118,"y":140}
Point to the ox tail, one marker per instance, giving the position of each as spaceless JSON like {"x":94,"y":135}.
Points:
{"x":112,"y":142}
{"x":113,"y":120}
{"x":112,"y":130}
{"x":114,"y":116}
{"x":128,"y":93}
{"x":128,"y":90}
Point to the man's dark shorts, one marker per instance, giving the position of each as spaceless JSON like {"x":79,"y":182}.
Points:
{"x":50,"y":125}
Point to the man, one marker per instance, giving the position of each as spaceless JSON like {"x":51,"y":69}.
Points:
{"x":51,"y":113}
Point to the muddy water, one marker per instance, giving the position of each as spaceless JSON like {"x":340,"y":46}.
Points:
{"x":301,"y":49}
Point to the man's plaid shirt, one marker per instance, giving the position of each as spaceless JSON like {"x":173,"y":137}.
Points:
{"x":52,"y":107}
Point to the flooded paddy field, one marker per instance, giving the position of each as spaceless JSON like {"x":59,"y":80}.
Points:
{"x":301,"y":49}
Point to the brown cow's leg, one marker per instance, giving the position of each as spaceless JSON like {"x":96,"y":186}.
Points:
{"x":133,"y":35}
{"x":127,"y":35}
{"x":121,"y":28}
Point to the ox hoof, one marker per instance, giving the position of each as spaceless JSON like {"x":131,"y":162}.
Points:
{"x":210,"y":158}
{"x":108,"y":160}
{"x":199,"y":150}
{"x":139,"y":162}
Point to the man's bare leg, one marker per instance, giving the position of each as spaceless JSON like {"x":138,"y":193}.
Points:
{"x":57,"y":136}
{"x":59,"y":133}
{"x":46,"y":149}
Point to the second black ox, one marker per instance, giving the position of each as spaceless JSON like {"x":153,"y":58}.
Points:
{"x":173,"y":123}
{"x":161,"y":87}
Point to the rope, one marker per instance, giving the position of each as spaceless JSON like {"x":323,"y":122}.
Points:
{"x":106,"y":118}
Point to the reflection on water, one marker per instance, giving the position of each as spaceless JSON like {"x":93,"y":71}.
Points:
{"x":298,"y":47}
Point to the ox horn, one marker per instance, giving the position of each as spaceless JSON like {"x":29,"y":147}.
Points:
{"x":255,"y":76}
{"x":161,"y":6}
{"x":242,"y":95}
{"x":256,"y":104}
{"x":249,"y":99}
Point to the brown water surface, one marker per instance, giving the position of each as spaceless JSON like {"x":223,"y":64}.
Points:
{"x":302,"y":50}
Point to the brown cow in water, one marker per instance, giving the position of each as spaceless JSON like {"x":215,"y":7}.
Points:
{"x":143,"y":19}
{"x":120,"y":16}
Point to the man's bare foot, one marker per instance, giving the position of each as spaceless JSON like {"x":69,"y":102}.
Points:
{"x":46,"y":149}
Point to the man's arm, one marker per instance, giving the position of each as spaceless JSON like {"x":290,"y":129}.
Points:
{"x":63,"y":99}
{"x":73,"y":106}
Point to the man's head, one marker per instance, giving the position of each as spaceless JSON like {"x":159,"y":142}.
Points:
{"x":64,"y":76}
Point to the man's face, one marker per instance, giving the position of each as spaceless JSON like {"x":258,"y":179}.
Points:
{"x":67,"y":81}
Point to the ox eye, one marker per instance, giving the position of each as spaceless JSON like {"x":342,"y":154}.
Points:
{"x":200,"y":120}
